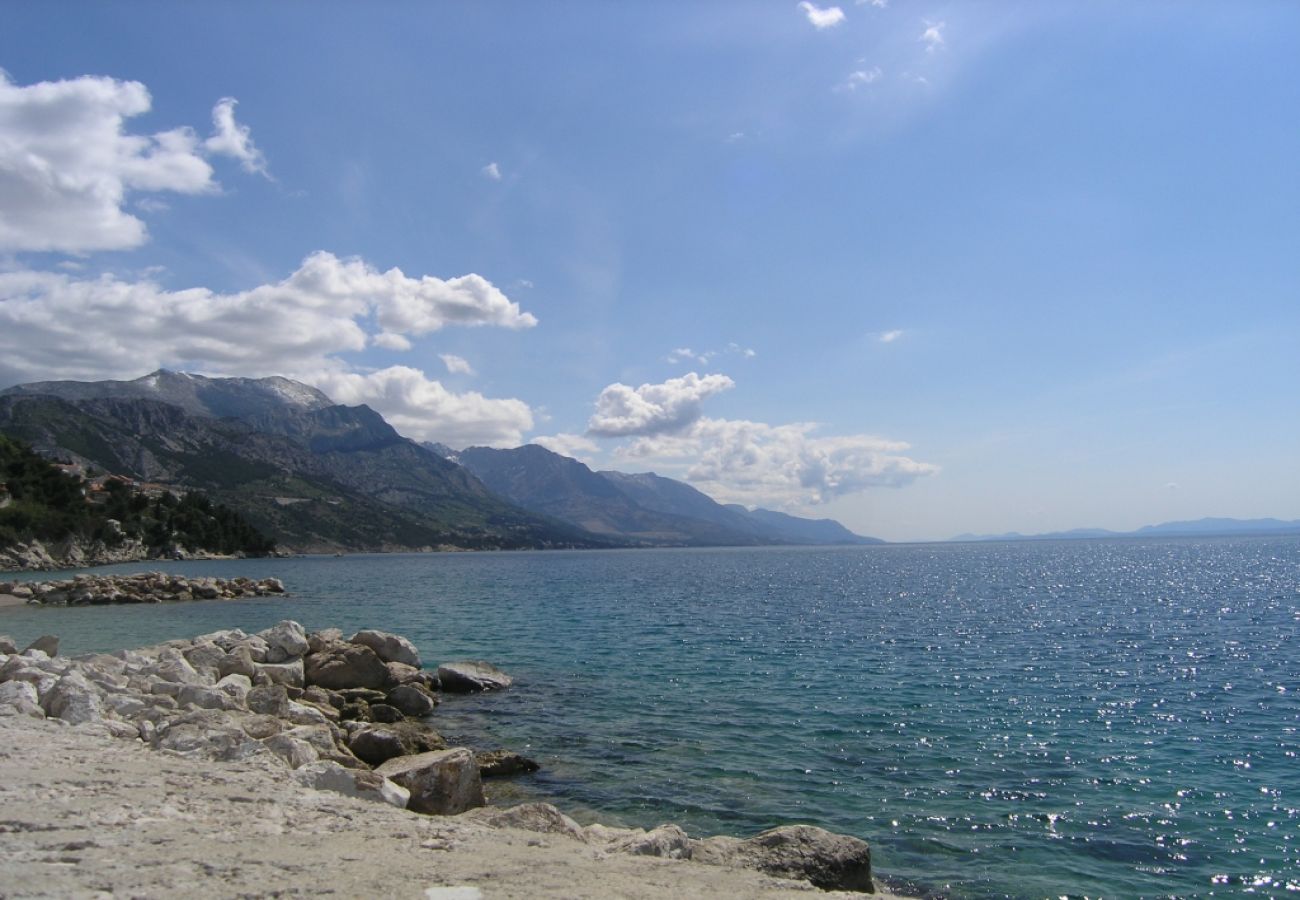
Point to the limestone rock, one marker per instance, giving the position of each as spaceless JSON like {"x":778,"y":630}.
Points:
{"x":342,"y":666}
{"x":204,"y":654}
{"x":319,"y":640}
{"x":388,"y":647}
{"x":285,"y":640}
{"x":269,"y":700}
{"x":20,"y":698}
{"x":444,"y":782}
{"x":292,"y":750}
{"x":667,"y":841}
{"x":73,"y":699}
{"x":540,"y":817}
{"x":469,"y":676}
{"x":412,"y":700}
{"x":376,"y":744}
{"x":832,"y":862}
{"x":7,"y":645}
{"x":290,"y":674}
{"x":327,"y":775}
{"x":236,"y":687}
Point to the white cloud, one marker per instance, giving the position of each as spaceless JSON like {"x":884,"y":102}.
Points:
{"x":822,"y":18}
{"x":888,"y":337}
{"x":390,"y":341}
{"x":456,"y":365}
{"x":421,"y":408}
{"x":932,"y":37}
{"x":67,"y":163}
{"x":735,"y":136}
{"x":574,"y":445}
{"x":755,"y":463}
{"x":878,"y":4}
{"x":653,"y":408}
{"x":57,"y":325}
{"x":682,"y":354}
{"x":859,"y":78}
{"x":491,"y":171}
{"x":229,"y":138}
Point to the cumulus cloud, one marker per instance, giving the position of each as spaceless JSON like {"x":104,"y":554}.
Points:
{"x":565,"y":444}
{"x":932,"y":37}
{"x":456,"y":365}
{"x":68,"y":164}
{"x":491,"y":171}
{"x":860,"y":78}
{"x":59,"y":325}
{"x":229,"y":138}
{"x":755,"y":463}
{"x":421,"y":408}
{"x":822,"y":18}
{"x":650,"y":409}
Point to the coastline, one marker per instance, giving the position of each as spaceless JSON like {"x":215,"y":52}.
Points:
{"x":91,"y":807}
{"x":86,"y":813}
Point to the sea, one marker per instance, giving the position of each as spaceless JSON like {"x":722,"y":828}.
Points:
{"x":1093,"y":718}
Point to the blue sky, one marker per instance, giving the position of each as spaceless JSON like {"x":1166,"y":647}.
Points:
{"x":939,"y":267}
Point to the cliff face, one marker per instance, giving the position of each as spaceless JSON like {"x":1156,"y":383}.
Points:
{"x":73,"y":553}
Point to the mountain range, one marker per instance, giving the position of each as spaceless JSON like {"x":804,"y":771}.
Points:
{"x":1193,"y":528}
{"x":321,"y":476}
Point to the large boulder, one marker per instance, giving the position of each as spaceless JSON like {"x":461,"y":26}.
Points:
{"x":73,"y":699}
{"x":412,"y":700}
{"x":290,"y":674}
{"x":285,"y":640}
{"x":442,"y":783}
{"x":7,"y":644}
{"x":388,"y":647}
{"x":832,"y":862}
{"x":20,"y":698}
{"x":327,"y":775}
{"x":46,"y":643}
{"x":469,"y":676}
{"x":666,"y":841}
{"x":341,"y":666}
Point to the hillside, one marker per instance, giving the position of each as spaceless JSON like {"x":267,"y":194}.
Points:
{"x":314,"y":475}
{"x":643,"y":508}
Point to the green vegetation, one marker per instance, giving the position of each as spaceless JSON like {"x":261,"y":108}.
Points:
{"x":48,"y":504}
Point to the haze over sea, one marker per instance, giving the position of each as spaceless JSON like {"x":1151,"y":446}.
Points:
{"x":1114,"y":718}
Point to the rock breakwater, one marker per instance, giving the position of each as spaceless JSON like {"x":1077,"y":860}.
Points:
{"x":352,"y":717}
{"x":147,"y":587}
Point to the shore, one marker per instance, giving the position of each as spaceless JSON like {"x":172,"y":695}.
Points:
{"x":90,"y":809}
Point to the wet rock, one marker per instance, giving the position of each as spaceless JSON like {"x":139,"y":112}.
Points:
{"x":444,"y":782}
{"x":500,"y":763}
{"x":469,"y":676}
{"x":388,"y":647}
{"x":382,"y":712}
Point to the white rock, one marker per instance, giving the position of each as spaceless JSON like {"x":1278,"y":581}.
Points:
{"x":286,"y":673}
{"x":302,"y":714}
{"x":442,"y":782}
{"x":388,"y":647}
{"x":74,"y":700}
{"x":285,"y":640}
{"x":236,"y":686}
{"x":295,"y":752}
{"x":325,"y":775}
{"x":21,"y":698}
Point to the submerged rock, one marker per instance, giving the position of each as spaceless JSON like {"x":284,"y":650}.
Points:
{"x":499,"y":763}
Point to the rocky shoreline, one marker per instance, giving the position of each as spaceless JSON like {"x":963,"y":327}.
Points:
{"x":146,"y":587}
{"x":74,"y":553}
{"x":354,"y":717}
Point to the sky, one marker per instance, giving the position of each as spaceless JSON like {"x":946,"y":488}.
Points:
{"x":926,"y":268}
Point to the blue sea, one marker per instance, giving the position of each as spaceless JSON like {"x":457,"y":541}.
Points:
{"x":1086,"y":718}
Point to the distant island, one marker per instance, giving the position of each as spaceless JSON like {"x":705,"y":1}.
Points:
{"x":315,"y":476}
{"x":1196,"y":528}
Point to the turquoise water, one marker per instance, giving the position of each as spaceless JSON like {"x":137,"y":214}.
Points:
{"x":1099,"y":718}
